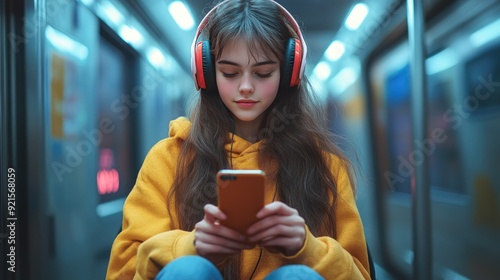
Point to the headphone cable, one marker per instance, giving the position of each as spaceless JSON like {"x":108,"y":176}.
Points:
{"x":260,"y":253}
{"x":231,"y":151}
{"x":233,"y":128}
{"x":258,"y":261}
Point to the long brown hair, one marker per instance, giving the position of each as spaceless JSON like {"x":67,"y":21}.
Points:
{"x":296,"y":144}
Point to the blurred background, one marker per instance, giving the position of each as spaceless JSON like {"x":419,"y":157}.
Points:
{"x":88,"y":86}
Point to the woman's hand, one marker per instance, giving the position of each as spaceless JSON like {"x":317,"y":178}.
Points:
{"x":214,"y":241}
{"x":279,"y":228}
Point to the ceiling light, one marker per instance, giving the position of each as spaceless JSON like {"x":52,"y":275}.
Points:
{"x":159,"y":60}
{"x":344,"y":79}
{"x":485,"y":34}
{"x":357,"y":16}
{"x":322,"y":71}
{"x":181,"y":15}
{"x":131,"y":36}
{"x":441,"y":61}
{"x":156,"y":57}
{"x":87,"y":3}
{"x":335,"y":50}
{"x":111,"y":13}
{"x":66,"y":44}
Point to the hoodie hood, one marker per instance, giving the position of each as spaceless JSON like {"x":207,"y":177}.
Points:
{"x":180,"y":128}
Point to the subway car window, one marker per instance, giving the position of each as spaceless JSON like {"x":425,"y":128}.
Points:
{"x":70,"y":114}
{"x":462,"y":127}
{"x":442,"y":154}
{"x":483,"y":67}
{"x":115,"y":175}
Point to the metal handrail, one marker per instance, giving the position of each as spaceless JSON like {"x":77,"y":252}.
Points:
{"x":422,"y":250}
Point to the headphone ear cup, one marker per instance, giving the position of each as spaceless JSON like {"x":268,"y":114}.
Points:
{"x":290,"y":74}
{"x":208,"y":67}
{"x":205,"y":76}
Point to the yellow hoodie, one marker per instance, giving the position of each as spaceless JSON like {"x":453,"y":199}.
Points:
{"x":147,"y":243}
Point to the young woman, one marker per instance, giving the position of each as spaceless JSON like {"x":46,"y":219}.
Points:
{"x":255,"y":111}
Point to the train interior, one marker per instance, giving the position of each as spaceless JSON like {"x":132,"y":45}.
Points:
{"x":89,"y":86}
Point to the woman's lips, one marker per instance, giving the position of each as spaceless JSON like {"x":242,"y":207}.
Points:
{"x":246,"y":103}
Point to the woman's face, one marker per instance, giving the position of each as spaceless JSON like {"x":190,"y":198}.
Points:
{"x":247,"y":84}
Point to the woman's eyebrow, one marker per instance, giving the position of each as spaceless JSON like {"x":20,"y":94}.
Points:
{"x":260,"y":63}
{"x":266,"y":62}
{"x":227,"y":62}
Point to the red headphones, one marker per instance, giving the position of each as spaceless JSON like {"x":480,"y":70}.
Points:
{"x":202,"y":65}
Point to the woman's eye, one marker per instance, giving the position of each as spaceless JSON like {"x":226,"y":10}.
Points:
{"x":266,"y":75}
{"x":229,"y":75}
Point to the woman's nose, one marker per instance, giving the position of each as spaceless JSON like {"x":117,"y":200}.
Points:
{"x":246,"y":86}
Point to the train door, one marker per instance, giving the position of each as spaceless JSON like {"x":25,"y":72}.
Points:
{"x":118,"y":138}
{"x":69,"y":114}
{"x":459,"y":146}
{"x":68,"y":59}
{"x":5,"y":145}
{"x":14,"y":84}
{"x":88,"y":145}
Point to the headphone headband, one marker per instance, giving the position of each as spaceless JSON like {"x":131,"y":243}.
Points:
{"x":285,"y":13}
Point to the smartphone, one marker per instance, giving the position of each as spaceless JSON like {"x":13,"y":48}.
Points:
{"x":240,"y":197}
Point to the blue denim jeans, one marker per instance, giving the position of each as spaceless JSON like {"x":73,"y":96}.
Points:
{"x":196,"y":267}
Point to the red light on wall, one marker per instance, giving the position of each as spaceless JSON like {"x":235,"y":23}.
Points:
{"x":108,"y":179}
